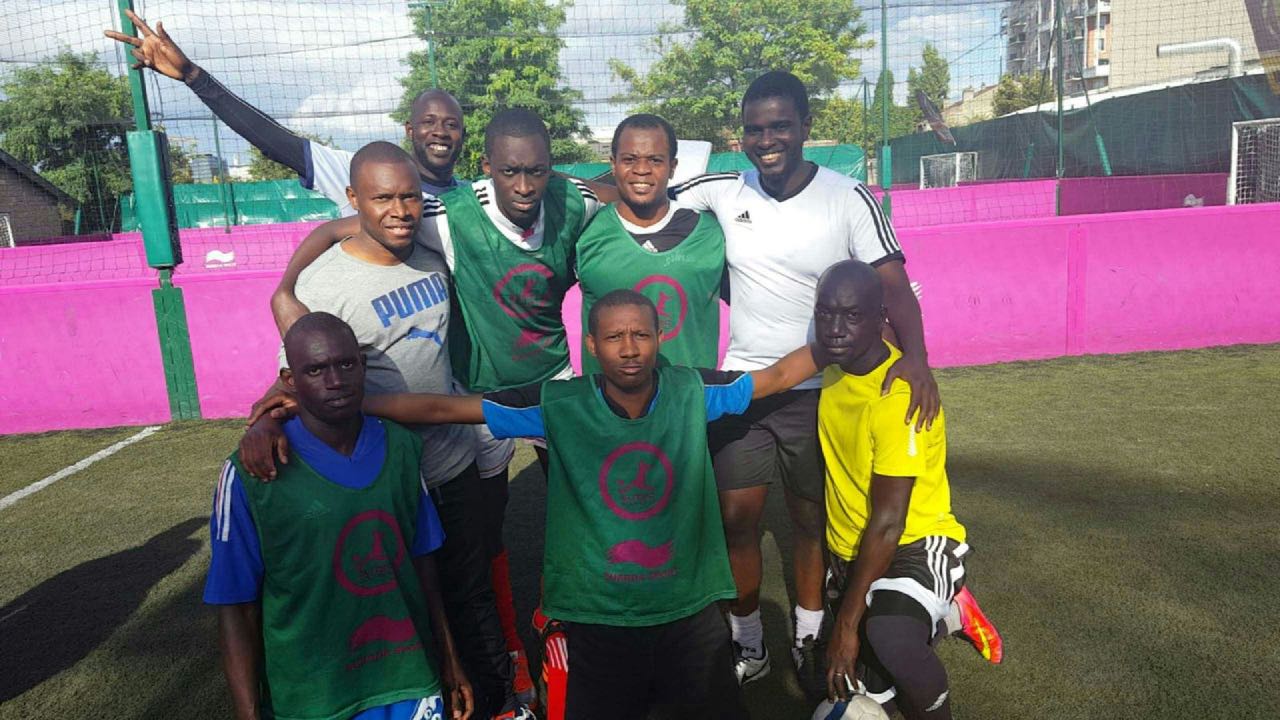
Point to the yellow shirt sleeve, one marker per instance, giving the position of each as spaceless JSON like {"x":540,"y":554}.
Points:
{"x":897,"y":449}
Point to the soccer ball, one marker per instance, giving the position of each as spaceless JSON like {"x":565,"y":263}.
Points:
{"x":859,"y":707}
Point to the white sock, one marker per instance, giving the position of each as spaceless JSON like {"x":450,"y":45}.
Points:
{"x":808,"y":624}
{"x":952,"y":621}
{"x":748,"y":631}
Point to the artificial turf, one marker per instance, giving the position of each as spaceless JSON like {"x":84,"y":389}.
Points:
{"x":1123,"y":512}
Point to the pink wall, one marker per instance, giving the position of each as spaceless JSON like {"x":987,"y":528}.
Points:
{"x":1085,"y":196}
{"x":1121,"y":282}
{"x":972,"y":203}
{"x":79,"y":356}
{"x":81,"y":351}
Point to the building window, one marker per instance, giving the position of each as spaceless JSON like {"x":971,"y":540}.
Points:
{"x":1102,"y":44}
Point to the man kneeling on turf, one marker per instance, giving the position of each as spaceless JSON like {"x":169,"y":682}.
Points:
{"x":635,"y":556}
{"x":327,"y":592}
{"x":897,"y":550}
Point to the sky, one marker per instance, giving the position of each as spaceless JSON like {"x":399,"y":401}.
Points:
{"x":333,"y":68}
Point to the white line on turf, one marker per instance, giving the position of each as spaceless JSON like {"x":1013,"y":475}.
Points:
{"x":106,"y":452}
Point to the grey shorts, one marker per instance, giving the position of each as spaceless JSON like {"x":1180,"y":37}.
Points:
{"x":776,"y":439}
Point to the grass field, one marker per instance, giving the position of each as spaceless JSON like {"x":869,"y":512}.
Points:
{"x":1123,"y":510}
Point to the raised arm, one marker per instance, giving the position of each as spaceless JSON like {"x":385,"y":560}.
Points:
{"x":796,"y":367}
{"x":239,"y":637}
{"x":157,"y":51}
{"x":285,"y":306}
{"x":426,"y":409}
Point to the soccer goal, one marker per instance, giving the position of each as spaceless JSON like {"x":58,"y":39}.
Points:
{"x":948,"y":169}
{"x":1255,"y":162}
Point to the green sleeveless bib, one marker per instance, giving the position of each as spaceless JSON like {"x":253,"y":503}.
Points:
{"x":345,"y":625}
{"x":683,"y":282}
{"x":508,"y":300}
{"x":634,"y":536}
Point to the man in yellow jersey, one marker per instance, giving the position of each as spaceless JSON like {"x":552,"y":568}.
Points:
{"x":896,"y":549}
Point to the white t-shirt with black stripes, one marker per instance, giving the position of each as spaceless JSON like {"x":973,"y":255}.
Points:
{"x":777,"y":249}
{"x":433,"y":231}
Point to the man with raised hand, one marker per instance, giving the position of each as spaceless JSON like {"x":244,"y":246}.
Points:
{"x":897,"y":551}
{"x":670,"y":254}
{"x":435,"y":127}
{"x":326,"y":587}
{"x":635,"y":560}
{"x":785,"y":222}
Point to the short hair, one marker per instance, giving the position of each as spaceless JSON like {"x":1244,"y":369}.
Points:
{"x":319,"y":322}
{"x":432,"y":93}
{"x":378,"y":151}
{"x":645,"y":121}
{"x":515,"y":122}
{"x":620,"y":298}
{"x":778,"y":84}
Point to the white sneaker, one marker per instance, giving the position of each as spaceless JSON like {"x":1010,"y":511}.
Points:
{"x":749,"y":669}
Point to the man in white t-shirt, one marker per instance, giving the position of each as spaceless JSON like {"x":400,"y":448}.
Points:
{"x":434,"y":129}
{"x":785,"y":222}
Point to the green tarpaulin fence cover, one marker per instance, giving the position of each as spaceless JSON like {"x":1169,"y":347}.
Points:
{"x":251,"y":203}
{"x":1181,"y":129}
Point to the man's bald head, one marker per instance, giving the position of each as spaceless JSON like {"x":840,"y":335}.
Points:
{"x":859,"y":276}
{"x":849,"y":316}
{"x":430,"y":97}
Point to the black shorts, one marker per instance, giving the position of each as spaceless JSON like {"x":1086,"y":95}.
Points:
{"x":929,"y":571}
{"x":680,"y":669}
{"x":777,"y":438}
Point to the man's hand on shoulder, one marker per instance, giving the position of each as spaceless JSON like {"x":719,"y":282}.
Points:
{"x":925,"y":401}
{"x":262,"y":444}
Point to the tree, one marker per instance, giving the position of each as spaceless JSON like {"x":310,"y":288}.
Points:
{"x":697,"y":84}
{"x":1013,"y":94}
{"x":493,"y":55}
{"x":67,"y":118}
{"x":902,"y":118}
{"x":262,"y":167}
{"x":933,"y":77}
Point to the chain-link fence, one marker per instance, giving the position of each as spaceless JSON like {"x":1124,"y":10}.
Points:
{"x":1030,"y":89}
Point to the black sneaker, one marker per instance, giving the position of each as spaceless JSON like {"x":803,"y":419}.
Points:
{"x":811,"y":667}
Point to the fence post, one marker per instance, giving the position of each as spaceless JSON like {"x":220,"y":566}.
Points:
{"x":153,"y":195}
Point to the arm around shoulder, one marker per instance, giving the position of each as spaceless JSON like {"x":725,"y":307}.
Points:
{"x":427,"y":409}
{"x":285,"y":306}
{"x":796,"y":367}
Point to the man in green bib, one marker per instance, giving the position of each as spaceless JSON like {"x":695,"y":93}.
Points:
{"x":635,"y":559}
{"x":509,"y":242}
{"x":672,"y":255}
{"x":328,"y":601}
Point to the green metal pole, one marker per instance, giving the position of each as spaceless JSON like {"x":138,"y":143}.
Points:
{"x":431,"y":47}
{"x":141,"y":113}
{"x":1062,"y":87}
{"x":224,"y":187}
{"x":149,"y":171}
{"x":886,"y":95}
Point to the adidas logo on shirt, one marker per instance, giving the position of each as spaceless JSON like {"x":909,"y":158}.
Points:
{"x":744,"y":218}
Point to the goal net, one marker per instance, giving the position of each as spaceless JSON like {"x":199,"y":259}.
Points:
{"x":1255,"y":162}
{"x":948,"y":169}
